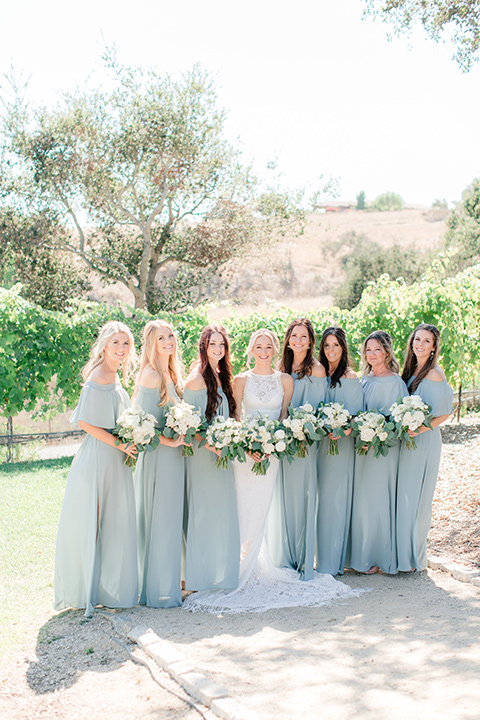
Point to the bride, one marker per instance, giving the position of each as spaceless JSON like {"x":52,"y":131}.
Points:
{"x":266,"y":392}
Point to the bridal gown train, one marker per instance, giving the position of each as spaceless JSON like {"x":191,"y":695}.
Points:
{"x":262,"y":586}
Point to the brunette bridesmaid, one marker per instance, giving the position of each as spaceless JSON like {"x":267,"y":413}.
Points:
{"x":335,"y":472}
{"x":291,"y":523}
{"x":373,"y":535}
{"x":212,"y":535}
{"x":418,"y":468}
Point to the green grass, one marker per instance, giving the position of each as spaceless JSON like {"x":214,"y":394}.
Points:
{"x":31,"y":496}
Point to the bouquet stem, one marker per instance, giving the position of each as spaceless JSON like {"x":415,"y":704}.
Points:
{"x":333,"y":447}
{"x":260,"y":467}
{"x":302,"y":451}
{"x":222,"y":463}
{"x":410,"y":443}
{"x":187,"y":451}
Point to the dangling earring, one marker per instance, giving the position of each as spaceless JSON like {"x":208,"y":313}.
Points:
{"x":432,"y":354}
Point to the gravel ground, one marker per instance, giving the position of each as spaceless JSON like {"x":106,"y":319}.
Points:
{"x":455,"y":530}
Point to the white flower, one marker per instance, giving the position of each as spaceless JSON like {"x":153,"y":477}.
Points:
{"x":307,"y":407}
{"x":367,"y":434}
{"x":280,"y":446}
{"x":383,"y":436}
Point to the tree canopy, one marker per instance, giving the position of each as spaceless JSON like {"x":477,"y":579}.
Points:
{"x":463,"y":229}
{"x":152,"y":193}
{"x":387,"y":201}
{"x":458,"y":21}
{"x":26,"y":257}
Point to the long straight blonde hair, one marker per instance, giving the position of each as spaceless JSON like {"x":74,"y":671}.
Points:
{"x":149,"y":356}
{"x":97,"y":353}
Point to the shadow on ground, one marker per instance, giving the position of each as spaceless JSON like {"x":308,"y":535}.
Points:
{"x":68,"y":645}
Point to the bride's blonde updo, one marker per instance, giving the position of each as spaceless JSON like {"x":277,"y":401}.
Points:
{"x":254,"y":337}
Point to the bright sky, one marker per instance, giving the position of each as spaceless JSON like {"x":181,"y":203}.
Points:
{"x":310,"y":84}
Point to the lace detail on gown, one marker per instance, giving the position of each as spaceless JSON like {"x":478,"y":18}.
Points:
{"x":262,"y":395}
{"x":261,"y":586}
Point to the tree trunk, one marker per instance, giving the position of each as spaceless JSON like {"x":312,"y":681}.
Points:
{"x":459,"y":402}
{"x":10,"y":438}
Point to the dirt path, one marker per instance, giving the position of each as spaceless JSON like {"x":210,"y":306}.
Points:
{"x":407,"y":648}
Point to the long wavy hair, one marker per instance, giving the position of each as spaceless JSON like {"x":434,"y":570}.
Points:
{"x":345,"y":362}
{"x":286,"y":361}
{"x":97,"y":353}
{"x":253,"y":339}
{"x":411,"y":361}
{"x":225,"y":372}
{"x":149,"y":356}
{"x":383,"y":339}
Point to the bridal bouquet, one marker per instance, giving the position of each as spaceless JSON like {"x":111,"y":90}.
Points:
{"x":134,"y":425}
{"x":303,"y":429}
{"x":228,"y":436}
{"x":373,"y":430}
{"x":267,"y":437}
{"x":181,"y":419}
{"x":334,"y":419}
{"x":409,"y":414}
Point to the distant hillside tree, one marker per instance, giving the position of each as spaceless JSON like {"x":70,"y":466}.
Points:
{"x":463,"y":229}
{"x":361,"y":205}
{"x":155,"y":195}
{"x":459,"y":21}
{"x":387,"y":201}
{"x":366,"y":261}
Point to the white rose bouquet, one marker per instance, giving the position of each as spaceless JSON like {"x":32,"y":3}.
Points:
{"x":267,"y":437}
{"x":335,"y":419}
{"x":373,"y":430}
{"x":410,"y":413}
{"x":303,"y":429}
{"x":182,"y":419}
{"x":228,"y":436}
{"x":135,"y":426}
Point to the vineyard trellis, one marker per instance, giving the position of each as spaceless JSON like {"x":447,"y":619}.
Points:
{"x":42,"y":352}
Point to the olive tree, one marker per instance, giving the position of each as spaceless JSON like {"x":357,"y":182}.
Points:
{"x":459,"y":20}
{"x":154,"y":195}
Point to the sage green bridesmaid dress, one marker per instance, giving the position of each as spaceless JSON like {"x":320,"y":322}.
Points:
{"x":96,"y":553}
{"x":212,"y":536}
{"x":159,"y":494}
{"x":373,"y":534}
{"x":291,"y":523}
{"x":417,"y":477}
{"x":335,"y":484}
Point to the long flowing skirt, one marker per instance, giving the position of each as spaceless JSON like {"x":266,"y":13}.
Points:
{"x":261,"y":585}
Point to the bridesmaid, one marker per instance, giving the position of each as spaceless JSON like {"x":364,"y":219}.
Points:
{"x":373,"y":538}
{"x":159,"y":475}
{"x":418,"y":469}
{"x":212,"y":535}
{"x":96,"y":554}
{"x":335,"y":472}
{"x":291,"y":524}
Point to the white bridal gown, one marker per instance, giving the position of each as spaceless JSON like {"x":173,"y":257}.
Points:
{"x":262,"y":586}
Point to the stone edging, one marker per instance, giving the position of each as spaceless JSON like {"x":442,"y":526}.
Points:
{"x":211,"y":694}
{"x":459,"y":572}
